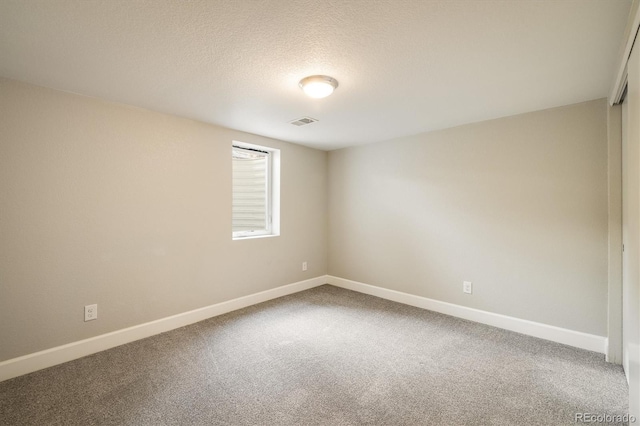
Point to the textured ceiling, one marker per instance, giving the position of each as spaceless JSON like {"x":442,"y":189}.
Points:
{"x":404,"y":66}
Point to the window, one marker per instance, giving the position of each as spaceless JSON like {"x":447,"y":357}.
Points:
{"x":256,"y":189}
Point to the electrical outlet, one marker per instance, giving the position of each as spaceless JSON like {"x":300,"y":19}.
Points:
{"x":467,"y":287}
{"x":90,"y":312}
{"x":304,"y":266}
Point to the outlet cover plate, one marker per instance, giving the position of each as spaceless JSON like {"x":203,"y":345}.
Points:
{"x":90,"y":312}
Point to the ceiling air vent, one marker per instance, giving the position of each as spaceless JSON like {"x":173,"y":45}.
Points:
{"x":303,"y":121}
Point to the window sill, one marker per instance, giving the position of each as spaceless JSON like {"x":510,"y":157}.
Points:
{"x":253,"y":237}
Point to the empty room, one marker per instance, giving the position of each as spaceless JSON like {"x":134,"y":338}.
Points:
{"x":319,"y":212}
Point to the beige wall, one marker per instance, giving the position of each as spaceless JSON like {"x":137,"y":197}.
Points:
{"x":516,"y":205}
{"x":131,"y":209}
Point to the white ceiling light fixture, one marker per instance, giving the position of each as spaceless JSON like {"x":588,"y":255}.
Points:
{"x":318,"y":86}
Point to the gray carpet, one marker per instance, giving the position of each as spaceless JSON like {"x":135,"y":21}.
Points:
{"x":326,"y":356}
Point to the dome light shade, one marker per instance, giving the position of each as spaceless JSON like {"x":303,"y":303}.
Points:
{"x":318,"y":86}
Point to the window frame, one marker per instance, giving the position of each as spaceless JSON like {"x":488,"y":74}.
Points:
{"x":272,"y":192}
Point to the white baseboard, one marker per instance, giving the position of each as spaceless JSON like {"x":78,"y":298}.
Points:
{"x":577,"y":339}
{"x":36,"y":361}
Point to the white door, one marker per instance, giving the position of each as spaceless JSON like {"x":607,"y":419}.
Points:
{"x":631,"y":232}
{"x":625,"y":235}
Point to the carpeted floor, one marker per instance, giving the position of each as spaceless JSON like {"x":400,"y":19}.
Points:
{"x":326,"y":356}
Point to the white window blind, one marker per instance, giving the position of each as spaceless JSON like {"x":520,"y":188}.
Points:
{"x":251,"y":192}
